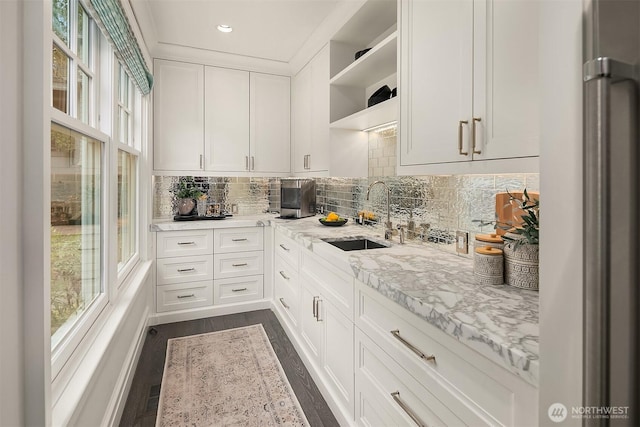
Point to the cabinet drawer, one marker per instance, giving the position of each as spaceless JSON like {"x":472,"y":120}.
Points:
{"x":184,"y":295}
{"x":237,"y":264}
{"x":237,"y":289}
{"x":287,"y":248}
{"x":404,"y":401}
{"x":184,"y":269}
{"x":478,"y":397}
{"x":184,"y":243}
{"x":287,"y":292}
{"x":238,"y":239}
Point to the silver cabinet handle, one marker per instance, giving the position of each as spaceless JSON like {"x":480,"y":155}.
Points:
{"x":239,"y":240}
{"x":253,"y":163}
{"x":318,"y":319}
{"x":283,"y":275}
{"x":284,"y":247}
{"x":396,"y":334}
{"x":473,"y":134}
{"x":284,"y":304}
{"x":460,"y":123}
{"x":243,"y":264}
{"x":186,"y":296}
{"x":201,"y":167}
{"x":305,"y":162}
{"x":239,"y":290}
{"x":314,"y":307}
{"x":246,"y":162}
{"x":186,"y":243}
{"x":184,"y":270}
{"x":396,"y":397}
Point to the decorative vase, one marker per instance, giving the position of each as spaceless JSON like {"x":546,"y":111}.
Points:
{"x":202,"y":207}
{"x":185,"y":206}
{"x":521,"y":265}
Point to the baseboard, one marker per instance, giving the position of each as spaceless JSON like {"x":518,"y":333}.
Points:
{"x":118,"y":400}
{"x":201,"y":313}
{"x":342,"y":415}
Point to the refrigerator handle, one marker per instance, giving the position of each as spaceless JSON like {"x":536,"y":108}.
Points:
{"x":598,"y":74}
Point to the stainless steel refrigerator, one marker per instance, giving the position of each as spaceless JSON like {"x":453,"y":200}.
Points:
{"x":611,"y":206}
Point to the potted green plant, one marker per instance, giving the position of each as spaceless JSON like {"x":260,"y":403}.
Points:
{"x":186,"y":193}
{"x":521,"y":244}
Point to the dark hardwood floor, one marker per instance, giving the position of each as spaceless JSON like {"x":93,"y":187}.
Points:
{"x":142,"y":402}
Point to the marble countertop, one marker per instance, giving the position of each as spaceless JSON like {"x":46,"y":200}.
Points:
{"x":500,"y":322}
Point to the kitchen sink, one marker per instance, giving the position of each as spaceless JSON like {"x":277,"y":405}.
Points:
{"x":355,"y":244}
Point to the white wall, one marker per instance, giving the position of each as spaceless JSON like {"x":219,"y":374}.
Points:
{"x":561,"y":216}
{"x":11,"y":356}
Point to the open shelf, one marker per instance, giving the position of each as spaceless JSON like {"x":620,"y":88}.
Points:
{"x":379,"y":114}
{"x":373,"y":66}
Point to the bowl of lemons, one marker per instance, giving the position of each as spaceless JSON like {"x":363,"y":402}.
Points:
{"x":333,"y":220}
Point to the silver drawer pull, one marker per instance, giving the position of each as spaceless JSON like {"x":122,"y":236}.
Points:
{"x":396,"y":396}
{"x":186,"y":296}
{"x":239,"y":240}
{"x":184,"y":270}
{"x":244,"y":264}
{"x":284,"y":304}
{"x":284,"y":247}
{"x":186,"y":243}
{"x":396,"y":334}
{"x":283,"y":275}
{"x":238,"y":290}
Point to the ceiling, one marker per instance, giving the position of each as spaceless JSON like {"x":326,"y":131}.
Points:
{"x":267,"y":29}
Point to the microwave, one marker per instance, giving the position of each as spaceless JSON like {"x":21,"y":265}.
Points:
{"x":297,"y":197}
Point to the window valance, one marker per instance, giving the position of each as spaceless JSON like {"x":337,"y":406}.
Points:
{"x":112,"y":19}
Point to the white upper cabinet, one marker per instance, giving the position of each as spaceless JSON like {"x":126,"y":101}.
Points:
{"x":270,"y":123}
{"x":226,"y":119}
{"x":178,"y":131}
{"x":469,"y":85}
{"x":215,"y":121}
{"x":310,"y":115}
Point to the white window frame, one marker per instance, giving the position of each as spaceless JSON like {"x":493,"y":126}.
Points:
{"x":135,"y":109}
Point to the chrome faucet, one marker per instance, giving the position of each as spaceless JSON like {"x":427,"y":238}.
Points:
{"x":388,"y":232}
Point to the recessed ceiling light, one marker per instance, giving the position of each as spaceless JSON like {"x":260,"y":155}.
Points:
{"x":224,"y":28}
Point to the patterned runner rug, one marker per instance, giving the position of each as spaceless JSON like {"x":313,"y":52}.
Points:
{"x":226,"y":378}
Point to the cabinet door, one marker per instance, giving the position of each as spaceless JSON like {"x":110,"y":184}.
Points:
{"x":311,"y":328}
{"x":270,"y":123}
{"x":506,"y":81}
{"x":318,"y":159}
{"x":301,"y":118}
{"x":226,"y":119}
{"x":178,"y":115}
{"x":436,"y":80}
{"x":337,"y":357}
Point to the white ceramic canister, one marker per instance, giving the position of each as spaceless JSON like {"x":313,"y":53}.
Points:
{"x":488,"y":266}
{"x":521,"y":266}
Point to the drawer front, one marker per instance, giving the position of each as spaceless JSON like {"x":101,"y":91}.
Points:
{"x":477,"y":397}
{"x":184,"y":269}
{"x":241,"y":239}
{"x":287,"y":292}
{"x":380,"y":377}
{"x":184,"y":243}
{"x":183,"y":296}
{"x":238,"y":264}
{"x":336,"y":285}
{"x":287,"y":248}
{"x":237,"y":289}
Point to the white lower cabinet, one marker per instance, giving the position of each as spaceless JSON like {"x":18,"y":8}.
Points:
{"x":325,"y":331}
{"x":182,"y":296}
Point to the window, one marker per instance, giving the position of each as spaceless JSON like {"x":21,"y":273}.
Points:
{"x":73,"y":70}
{"x":76,"y":227}
{"x":128,"y":109}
